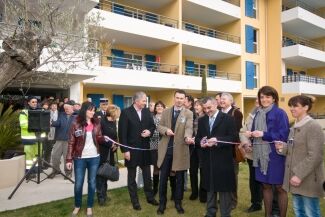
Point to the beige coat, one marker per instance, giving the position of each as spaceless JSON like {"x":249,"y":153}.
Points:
{"x":183,"y":129}
{"x":305,"y":160}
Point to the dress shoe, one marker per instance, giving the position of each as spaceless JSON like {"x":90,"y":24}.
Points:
{"x":136,"y":206}
{"x":160,"y":210}
{"x":254,"y":208}
{"x":101,"y":202}
{"x":179,"y":208}
{"x":153,"y":202}
{"x":193,"y":196}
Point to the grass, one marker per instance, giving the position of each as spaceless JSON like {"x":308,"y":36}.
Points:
{"x":120,"y":205}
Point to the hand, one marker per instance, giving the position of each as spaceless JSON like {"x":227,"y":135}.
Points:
{"x":145,"y":133}
{"x":248,"y":134}
{"x":189,"y":140}
{"x":212,"y":141}
{"x":279,"y":146}
{"x":248,"y":148}
{"x":295,"y":181}
{"x":114,"y":147}
{"x":257,"y":133}
{"x":169,"y":132}
{"x":69,"y":166}
{"x":127,"y":156}
{"x":204,"y":142}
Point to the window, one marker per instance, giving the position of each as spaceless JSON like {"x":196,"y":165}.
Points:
{"x":133,"y":60}
{"x":252,"y":39}
{"x":251,"y":8}
{"x":127,"y":101}
{"x":252,"y":74}
{"x":199,"y":69}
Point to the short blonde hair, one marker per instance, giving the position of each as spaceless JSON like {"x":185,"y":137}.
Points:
{"x":113,"y":111}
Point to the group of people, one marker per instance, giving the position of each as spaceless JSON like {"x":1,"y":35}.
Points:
{"x":201,"y":136}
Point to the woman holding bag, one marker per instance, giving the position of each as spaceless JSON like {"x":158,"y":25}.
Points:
{"x":83,"y":149}
{"x":304,"y":173}
{"x":108,"y":125}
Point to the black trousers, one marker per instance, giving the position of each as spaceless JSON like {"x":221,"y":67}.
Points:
{"x":194,"y":170}
{"x":132,"y":185}
{"x":164,"y":174}
{"x":255,"y":187}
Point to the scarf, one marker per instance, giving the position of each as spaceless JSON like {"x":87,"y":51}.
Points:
{"x":261,"y":149}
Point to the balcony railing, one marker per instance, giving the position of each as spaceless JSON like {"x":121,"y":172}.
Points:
{"x":138,"y":14}
{"x":141,"y":65}
{"x":318,"y":116}
{"x":293,"y":40}
{"x":195,"y":71}
{"x":304,"y":78}
{"x":299,"y":3}
{"x":234,"y":2}
{"x":210,"y":32}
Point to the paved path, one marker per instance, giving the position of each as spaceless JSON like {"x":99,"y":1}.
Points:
{"x":49,"y":190}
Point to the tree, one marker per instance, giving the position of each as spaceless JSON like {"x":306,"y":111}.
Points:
{"x":42,"y":36}
{"x":204,"y":87}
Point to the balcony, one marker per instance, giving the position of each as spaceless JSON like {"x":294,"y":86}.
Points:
{"x":303,"y":84}
{"x":297,"y":16}
{"x":132,"y":73}
{"x":301,"y":52}
{"x":215,"y":74}
{"x":211,"y":12}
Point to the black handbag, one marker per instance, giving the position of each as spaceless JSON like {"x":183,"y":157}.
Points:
{"x":108,"y":171}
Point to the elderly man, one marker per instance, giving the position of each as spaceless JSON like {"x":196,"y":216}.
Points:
{"x":135,"y":128}
{"x":176,"y":128}
{"x":217,"y":157}
{"x":62,"y":127}
{"x":226,"y":104}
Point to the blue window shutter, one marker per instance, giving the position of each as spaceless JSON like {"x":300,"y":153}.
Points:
{"x":249,"y":11}
{"x":95,"y":98}
{"x":211,"y":33}
{"x":212,"y":70}
{"x":150,"y":62}
{"x":249,"y":39}
{"x":118,"y":9}
{"x":189,"y":67}
{"x":289,"y":72}
{"x":250,"y":75}
{"x":118,"y":100}
{"x":118,"y":60}
{"x":151,"y":17}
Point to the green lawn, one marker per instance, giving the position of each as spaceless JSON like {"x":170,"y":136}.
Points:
{"x":120,"y":205}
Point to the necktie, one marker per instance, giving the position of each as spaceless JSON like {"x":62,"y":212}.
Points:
{"x":176,"y":113}
{"x":211,"y":121}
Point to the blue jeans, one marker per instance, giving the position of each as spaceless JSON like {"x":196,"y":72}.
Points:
{"x":306,"y":206}
{"x":80,"y":166}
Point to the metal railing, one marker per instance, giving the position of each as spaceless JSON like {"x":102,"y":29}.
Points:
{"x":318,"y":116}
{"x":299,"y":3}
{"x":304,"y":78}
{"x":195,"y":71}
{"x":138,"y":14}
{"x":293,"y":40}
{"x":234,"y":2}
{"x":136,"y":64}
{"x":190,"y":27}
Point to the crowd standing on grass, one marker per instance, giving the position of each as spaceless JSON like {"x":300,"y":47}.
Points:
{"x":203,"y":136}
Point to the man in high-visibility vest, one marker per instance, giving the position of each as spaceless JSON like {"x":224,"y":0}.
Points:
{"x":29,"y":139}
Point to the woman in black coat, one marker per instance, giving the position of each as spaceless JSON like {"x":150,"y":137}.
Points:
{"x":109,"y":129}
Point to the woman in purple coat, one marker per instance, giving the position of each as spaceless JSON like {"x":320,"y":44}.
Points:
{"x":270,"y":124}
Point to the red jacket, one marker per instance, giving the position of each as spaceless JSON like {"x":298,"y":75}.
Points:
{"x":77,"y":138}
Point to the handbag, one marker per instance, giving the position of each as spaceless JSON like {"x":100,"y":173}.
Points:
{"x":239,"y":154}
{"x":108,"y":171}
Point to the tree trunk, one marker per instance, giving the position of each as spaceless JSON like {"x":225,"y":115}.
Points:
{"x":204,"y":88}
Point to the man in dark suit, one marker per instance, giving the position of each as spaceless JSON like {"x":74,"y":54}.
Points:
{"x":228,"y":107}
{"x":176,"y":128}
{"x":103,"y":104}
{"x":217,"y":158}
{"x":135,"y":127}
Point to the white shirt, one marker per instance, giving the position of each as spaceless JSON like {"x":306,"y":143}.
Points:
{"x":226,"y":110}
{"x":90,"y":149}
{"x":138,"y":111}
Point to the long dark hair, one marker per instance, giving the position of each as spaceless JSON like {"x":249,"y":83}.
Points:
{"x":81,"y":119}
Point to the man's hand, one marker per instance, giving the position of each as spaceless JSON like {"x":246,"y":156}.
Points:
{"x":69,"y":166}
{"x":279,"y":146}
{"x":204,"y":142}
{"x":295,"y":181}
{"x":248,"y":134}
{"x":127,"y":156}
{"x":257,"y":133}
{"x":145,"y":133}
{"x":169,"y":132}
{"x":212,"y":141}
{"x":189,"y":140}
